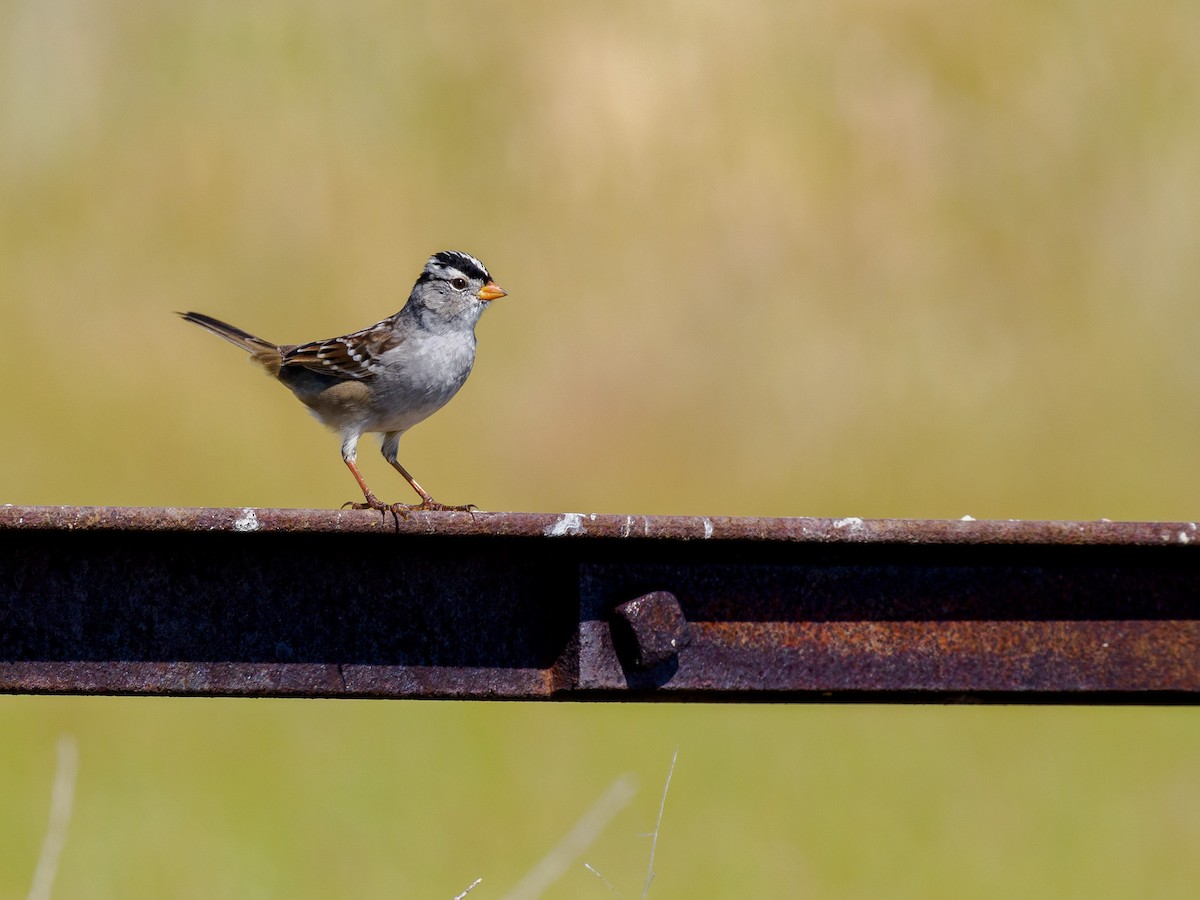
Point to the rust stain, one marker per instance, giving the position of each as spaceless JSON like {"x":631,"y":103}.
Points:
{"x":523,"y":606}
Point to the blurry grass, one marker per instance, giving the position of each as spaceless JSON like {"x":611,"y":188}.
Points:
{"x":919,"y":259}
{"x":203,"y":798}
{"x":62,"y":799}
{"x":927,"y":259}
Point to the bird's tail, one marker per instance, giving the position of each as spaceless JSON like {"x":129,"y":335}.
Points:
{"x":262,"y":352}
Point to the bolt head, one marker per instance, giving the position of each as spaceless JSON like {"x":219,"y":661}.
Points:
{"x":651,"y":629}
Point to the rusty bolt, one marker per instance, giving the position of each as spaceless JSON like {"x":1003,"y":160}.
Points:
{"x":650,"y":629}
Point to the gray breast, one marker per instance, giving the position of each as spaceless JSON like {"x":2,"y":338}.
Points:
{"x":420,"y":376}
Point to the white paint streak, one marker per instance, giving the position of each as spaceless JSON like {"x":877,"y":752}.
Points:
{"x":708,"y":531}
{"x":852,"y":523}
{"x":247,"y":521}
{"x":569,"y":523}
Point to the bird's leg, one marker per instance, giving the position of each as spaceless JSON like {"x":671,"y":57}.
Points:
{"x":349,"y":457}
{"x":391,"y":445}
{"x":427,"y":502}
{"x":373,"y":502}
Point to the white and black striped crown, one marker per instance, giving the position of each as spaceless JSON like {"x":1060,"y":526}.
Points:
{"x":441,"y":265}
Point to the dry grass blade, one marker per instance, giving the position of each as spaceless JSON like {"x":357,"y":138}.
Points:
{"x":579,"y":838}
{"x":62,"y":799}
{"x":608,"y":884}
{"x":658,"y":825}
{"x":470,"y":887}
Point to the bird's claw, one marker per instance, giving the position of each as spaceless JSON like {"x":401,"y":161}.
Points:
{"x":431,"y":505}
{"x":442,"y":507}
{"x":402,"y":510}
{"x":397,"y":510}
{"x":371,"y":503}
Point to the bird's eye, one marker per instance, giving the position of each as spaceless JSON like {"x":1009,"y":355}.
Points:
{"x":458,"y":283}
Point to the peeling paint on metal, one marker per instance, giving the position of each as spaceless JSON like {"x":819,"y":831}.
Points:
{"x":569,"y":523}
{"x":247,"y":521}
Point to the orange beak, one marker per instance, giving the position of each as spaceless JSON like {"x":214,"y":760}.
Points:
{"x":492,"y":291}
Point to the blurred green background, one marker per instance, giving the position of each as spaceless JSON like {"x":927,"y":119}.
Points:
{"x":920,"y":259}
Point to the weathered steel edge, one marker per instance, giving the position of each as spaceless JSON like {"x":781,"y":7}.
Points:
{"x":849,"y":530}
{"x":1035,"y":616}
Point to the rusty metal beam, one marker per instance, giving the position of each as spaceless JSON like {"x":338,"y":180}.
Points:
{"x":261,"y":602}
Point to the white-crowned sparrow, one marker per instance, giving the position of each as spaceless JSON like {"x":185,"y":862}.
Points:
{"x":388,"y":377}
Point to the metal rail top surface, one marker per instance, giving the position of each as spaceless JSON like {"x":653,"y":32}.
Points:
{"x":573,"y":524}
{"x":305,"y":603}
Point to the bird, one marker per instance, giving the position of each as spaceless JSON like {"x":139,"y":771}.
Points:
{"x":386,"y":378}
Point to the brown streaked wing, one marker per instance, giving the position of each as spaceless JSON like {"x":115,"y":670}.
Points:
{"x":352,"y":356}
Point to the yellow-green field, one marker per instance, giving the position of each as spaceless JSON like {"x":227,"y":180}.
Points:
{"x":228,"y":798}
{"x":928,"y":258}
